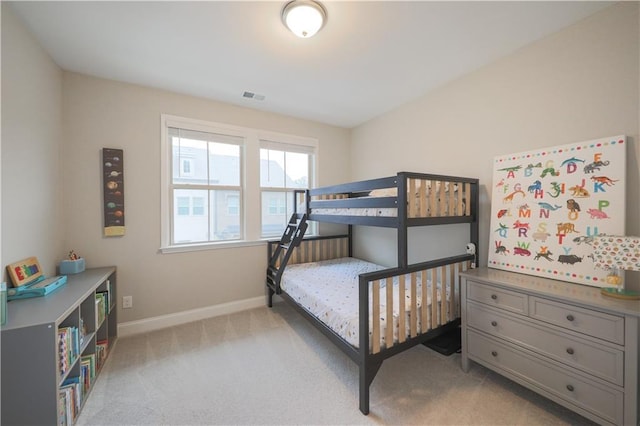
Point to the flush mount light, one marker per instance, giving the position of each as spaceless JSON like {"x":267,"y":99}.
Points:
{"x":304,"y":17}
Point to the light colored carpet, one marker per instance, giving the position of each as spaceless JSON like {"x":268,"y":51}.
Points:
{"x":270,"y":366}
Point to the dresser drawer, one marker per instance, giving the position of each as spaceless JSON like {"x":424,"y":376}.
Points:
{"x":601,"y":361}
{"x":492,"y":296}
{"x":593,"y":323}
{"x":589,"y":395}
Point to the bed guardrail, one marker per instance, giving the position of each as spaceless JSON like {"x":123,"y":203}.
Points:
{"x":429,"y":199}
{"x":421,"y":321}
{"x":315,"y":249}
{"x":418,"y":299}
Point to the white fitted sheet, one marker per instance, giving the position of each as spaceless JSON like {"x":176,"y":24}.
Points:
{"x":329,"y":291}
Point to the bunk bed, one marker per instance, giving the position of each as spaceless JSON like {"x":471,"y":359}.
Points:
{"x":370,"y":312}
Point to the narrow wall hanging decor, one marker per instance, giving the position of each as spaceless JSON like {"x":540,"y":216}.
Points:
{"x":548,"y":205}
{"x":113,"y":191}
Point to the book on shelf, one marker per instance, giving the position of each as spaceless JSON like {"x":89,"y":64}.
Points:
{"x":101,"y":307}
{"x":70,"y":396}
{"x":83,"y":330}
{"x":87,"y":371}
{"x":110,"y":291}
{"x":102,"y":347}
{"x":62,"y":407}
{"x":68,"y":347}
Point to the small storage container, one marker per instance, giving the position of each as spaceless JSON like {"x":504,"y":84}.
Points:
{"x":71,"y":266}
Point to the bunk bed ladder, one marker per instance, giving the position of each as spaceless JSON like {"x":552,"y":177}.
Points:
{"x":291,"y":237}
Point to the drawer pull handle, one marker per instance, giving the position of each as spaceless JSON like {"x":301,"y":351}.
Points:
{"x":494,"y":296}
{"x":570,"y":388}
{"x":570,"y":351}
{"x":494,"y":353}
{"x":570,"y":317}
{"x":494,"y":323}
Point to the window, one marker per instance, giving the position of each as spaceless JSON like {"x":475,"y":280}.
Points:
{"x":198,"y":206}
{"x":277,"y":205}
{"x":187,"y":167}
{"x":206,"y":175}
{"x":226,"y":185}
{"x":283,"y":168}
{"x":182,"y":204}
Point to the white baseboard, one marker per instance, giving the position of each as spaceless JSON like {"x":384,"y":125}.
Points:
{"x":163,"y":321}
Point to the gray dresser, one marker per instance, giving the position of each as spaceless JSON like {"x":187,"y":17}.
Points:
{"x":565,"y":341}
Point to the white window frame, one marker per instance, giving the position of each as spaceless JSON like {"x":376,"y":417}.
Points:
{"x":290,"y":148}
{"x":250,"y":204}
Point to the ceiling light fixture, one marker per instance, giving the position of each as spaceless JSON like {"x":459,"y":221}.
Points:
{"x":304,"y":17}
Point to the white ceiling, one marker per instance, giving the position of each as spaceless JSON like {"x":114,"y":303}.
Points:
{"x":368,"y":59}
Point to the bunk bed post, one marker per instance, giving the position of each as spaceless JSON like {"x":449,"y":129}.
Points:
{"x":368,"y":363}
{"x":270,"y":294}
{"x":350,"y":240}
{"x":270,"y":291}
{"x":475,"y":223}
{"x":307,"y":202}
{"x":402,"y":221}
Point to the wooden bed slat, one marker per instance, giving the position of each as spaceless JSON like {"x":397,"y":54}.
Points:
{"x":443,"y":295}
{"x":455,"y":269}
{"x":433,"y":211}
{"x":389,"y":317}
{"x":424,"y":308}
{"x":434,"y":298}
{"x":442,"y":199}
{"x":402,"y":326}
{"x":467,"y":191}
{"x":451,"y":204}
{"x":375,"y":312}
{"x":423,"y":199}
{"x":414,"y":305}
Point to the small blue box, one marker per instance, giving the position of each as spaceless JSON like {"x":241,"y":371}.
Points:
{"x":71,"y":266}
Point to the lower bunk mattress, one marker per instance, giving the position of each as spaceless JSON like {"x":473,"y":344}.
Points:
{"x":329,"y":291}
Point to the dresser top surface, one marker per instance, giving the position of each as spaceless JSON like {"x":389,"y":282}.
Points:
{"x":559,"y":290}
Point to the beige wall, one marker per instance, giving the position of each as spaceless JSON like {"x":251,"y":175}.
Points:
{"x":101,"y":113}
{"x":576,"y":85}
{"x":579,"y":84}
{"x":31,"y":141}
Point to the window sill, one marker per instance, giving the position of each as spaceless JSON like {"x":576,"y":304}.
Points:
{"x":210,"y":246}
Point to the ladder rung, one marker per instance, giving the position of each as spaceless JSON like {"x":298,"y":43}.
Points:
{"x":285,"y":246}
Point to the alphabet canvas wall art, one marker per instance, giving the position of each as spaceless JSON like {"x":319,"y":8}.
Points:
{"x":548,"y":204}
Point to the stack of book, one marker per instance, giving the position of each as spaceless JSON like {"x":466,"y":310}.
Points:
{"x":87,"y":371}
{"x":102,"y":307}
{"x":101,"y":352}
{"x":68,"y":347}
{"x":70,"y":397}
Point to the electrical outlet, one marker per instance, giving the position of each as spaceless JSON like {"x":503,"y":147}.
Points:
{"x":127,"y":302}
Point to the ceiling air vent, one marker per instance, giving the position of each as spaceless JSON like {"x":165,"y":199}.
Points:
{"x":251,"y":95}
